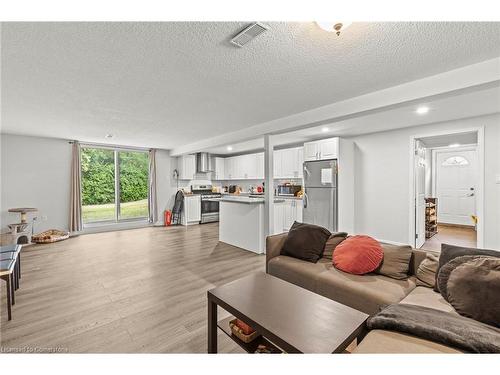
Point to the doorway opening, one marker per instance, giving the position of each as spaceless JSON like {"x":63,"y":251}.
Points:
{"x":447,"y":190}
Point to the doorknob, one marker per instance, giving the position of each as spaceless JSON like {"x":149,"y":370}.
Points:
{"x":470,"y":195}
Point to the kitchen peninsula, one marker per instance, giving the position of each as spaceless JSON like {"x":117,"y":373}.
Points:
{"x":241,"y":222}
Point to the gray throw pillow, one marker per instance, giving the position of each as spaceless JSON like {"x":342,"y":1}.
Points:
{"x":473,"y":289}
{"x":333,"y":241}
{"x":396,"y":261}
{"x":449,"y":252}
{"x":426,"y":272}
{"x":445,"y":272}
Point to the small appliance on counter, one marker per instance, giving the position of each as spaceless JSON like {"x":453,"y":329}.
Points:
{"x":289,"y":190}
{"x":233,"y":189}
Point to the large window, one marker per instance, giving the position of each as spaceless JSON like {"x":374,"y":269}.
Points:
{"x":114,"y":185}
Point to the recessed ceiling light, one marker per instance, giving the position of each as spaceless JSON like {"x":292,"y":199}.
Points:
{"x":453,"y":145}
{"x":108,"y":136}
{"x":422,"y":110}
{"x":230,"y":148}
{"x":336,"y":27}
{"x":325,"y":129}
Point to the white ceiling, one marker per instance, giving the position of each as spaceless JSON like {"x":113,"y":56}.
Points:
{"x":167,"y":84}
{"x":469,"y":104}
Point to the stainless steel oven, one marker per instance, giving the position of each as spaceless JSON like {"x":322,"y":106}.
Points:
{"x":209,"y":203}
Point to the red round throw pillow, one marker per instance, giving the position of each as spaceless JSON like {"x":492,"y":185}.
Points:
{"x":358,"y":255}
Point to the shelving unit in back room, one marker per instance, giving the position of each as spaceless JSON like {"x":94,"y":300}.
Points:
{"x":431,"y":222}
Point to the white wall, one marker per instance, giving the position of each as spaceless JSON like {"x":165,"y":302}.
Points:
{"x":165,"y":184}
{"x":35,"y":173}
{"x":382,"y":179}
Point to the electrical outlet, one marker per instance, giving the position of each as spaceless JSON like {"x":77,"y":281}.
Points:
{"x":44,"y":217}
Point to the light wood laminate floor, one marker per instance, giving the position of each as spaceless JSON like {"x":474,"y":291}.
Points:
{"x":141,"y":290}
{"x":453,"y":235}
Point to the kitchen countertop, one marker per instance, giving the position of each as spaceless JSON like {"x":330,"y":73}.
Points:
{"x":243,"y":199}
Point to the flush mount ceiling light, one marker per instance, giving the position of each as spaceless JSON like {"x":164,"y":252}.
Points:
{"x":422,"y":110}
{"x":454,"y":145}
{"x":229,"y":148}
{"x":336,"y":27}
{"x":325,"y":129}
{"x":108,"y":136}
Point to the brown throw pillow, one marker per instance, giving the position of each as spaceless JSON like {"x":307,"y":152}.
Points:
{"x":305,"y":241}
{"x":332,"y":242}
{"x":396,"y":261}
{"x":447,"y":269}
{"x":473,"y":289}
{"x":449,"y":252}
{"x":426,"y":272}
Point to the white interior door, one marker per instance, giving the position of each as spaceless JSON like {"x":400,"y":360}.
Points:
{"x":456,"y":178}
{"x":419,"y":195}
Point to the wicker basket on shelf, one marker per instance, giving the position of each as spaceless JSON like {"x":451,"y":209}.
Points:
{"x":238,"y":332}
{"x":49,"y":236}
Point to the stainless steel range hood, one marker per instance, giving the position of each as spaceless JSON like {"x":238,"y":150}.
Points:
{"x":204,"y":162}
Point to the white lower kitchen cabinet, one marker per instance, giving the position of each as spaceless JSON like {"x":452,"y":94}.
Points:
{"x":191,"y":212}
{"x":285,"y":213}
{"x":279,"y":212}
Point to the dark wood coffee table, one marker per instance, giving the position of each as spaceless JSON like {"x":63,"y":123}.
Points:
{"x":289,"y":318}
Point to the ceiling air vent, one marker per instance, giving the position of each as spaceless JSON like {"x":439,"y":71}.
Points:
{"x":249,"y":33}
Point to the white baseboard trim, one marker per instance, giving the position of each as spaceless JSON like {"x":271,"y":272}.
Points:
{"x":392,"y":242}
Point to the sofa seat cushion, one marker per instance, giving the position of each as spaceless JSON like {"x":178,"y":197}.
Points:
{"x":296,"y":271}
{"x":381,"y":341}
{"x":367,"y":293}
{"x":427,"y":297}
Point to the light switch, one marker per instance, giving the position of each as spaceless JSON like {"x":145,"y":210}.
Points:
{"x":497,"y":179}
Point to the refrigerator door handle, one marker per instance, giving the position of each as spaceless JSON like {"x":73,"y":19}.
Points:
{"x":305,"y":200}
{"x":307,"y":171}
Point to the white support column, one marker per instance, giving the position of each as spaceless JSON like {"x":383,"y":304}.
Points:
{"x":269,"y":187}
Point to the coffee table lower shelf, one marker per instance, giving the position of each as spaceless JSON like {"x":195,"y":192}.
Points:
{"x":250,"y":347}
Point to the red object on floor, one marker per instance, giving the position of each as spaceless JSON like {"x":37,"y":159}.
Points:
{"x":168,"y":218}
{"x":358,"y":255}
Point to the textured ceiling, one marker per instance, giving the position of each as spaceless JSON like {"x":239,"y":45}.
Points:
{"x":168,"y":84}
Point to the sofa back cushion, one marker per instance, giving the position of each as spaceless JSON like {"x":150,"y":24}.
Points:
{"x":305,"y":241}
{"x":449,"y":252}
{"x":426,"y":272}
{"x":396,"y":261}
{"x":358,"y":255}
{"x":333,"y":241}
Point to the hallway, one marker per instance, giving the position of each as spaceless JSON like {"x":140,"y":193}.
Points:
{"x":455,"y":235}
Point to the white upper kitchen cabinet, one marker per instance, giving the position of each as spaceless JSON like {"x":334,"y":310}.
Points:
{"x":247,"y":165}
{"x":300,"y":166}
{"x":186,"y":166}
{"x":329,"y":149}
{"x":277,"y":158}
{"x":260,"y":165}
{"x":323,"y":149}
{"x":219,"y":173}
{"x":288,"y":163}
{"x":311,"y":151}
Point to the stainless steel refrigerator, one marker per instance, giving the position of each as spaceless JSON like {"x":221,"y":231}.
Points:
{"x":320,"y":193}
